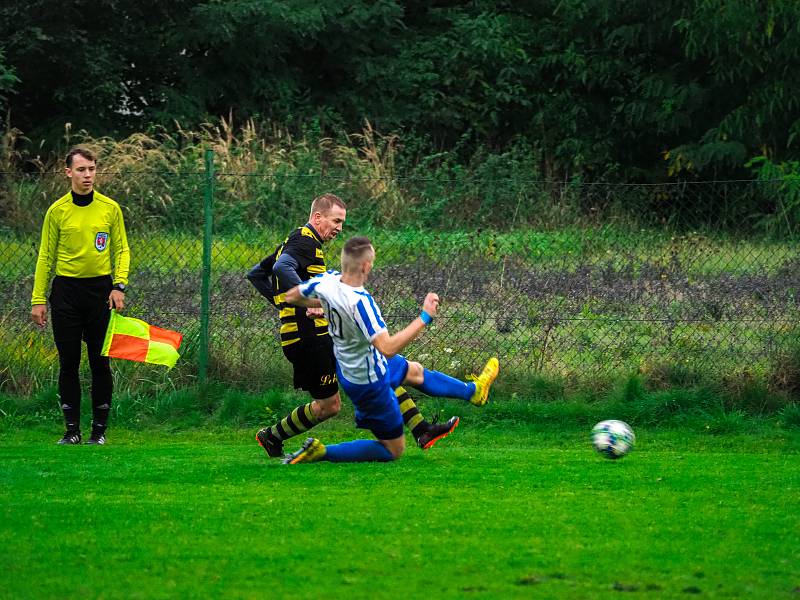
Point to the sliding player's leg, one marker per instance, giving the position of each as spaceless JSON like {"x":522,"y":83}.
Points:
{"x":376,"y":409}
{"x":436,"y":383}
{"x":426,"y":434}
{"x":314,"y":450}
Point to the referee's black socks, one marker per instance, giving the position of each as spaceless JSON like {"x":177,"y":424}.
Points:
{"x":100,"y":419}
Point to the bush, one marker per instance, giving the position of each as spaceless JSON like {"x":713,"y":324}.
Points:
{"x":790,"y":416}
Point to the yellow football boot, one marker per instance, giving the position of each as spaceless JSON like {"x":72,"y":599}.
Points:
{"x":312,"y":450}
{"x":484,"y":381}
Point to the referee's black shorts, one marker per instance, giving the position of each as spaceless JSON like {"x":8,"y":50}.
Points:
{"x":79,"y":308}
{"x":314,"y":366}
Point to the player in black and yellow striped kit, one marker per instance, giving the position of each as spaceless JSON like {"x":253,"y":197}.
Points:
{"x":81,"y":231}
{"x":305,"y":340}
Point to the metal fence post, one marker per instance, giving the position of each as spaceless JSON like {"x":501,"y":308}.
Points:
{"x":208,"y":218}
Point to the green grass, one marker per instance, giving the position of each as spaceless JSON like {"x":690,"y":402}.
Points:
{"x":498,"y":510}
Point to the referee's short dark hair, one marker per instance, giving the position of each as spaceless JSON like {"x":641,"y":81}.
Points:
{"x":83,"y":151}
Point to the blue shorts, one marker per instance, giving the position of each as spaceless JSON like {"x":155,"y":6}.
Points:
{"x":376,"y":403}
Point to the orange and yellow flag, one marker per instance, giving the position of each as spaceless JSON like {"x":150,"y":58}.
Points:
{"x":133,"y":339}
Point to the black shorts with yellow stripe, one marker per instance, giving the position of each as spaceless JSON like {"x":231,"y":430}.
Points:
{"x":314,"y":366}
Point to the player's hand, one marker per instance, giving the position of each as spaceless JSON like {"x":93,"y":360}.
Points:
{"x":116,"y":299}
{"x":39,"y":314}
{"x":431,"y":304}
{"x":315,"y":313}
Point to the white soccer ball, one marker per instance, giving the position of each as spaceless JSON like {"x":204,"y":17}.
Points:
{"x":613,"y":439}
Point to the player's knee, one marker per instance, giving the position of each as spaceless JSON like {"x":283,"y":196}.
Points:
{"x":328,"y":407}
{"x":396,"y":447}
{"x":415,"y":374}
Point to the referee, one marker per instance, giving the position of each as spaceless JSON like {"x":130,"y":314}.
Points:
{"x":81,"y":231}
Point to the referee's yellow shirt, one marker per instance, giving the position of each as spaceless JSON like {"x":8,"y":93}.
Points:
{"x":79,"y":240}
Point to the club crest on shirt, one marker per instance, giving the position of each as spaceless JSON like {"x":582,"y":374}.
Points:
{"x":101,"y":241}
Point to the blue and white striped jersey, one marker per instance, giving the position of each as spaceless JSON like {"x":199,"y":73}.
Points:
{"x":353,"y":322}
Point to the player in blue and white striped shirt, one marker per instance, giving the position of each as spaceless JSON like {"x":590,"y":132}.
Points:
{"x":369,"y":365}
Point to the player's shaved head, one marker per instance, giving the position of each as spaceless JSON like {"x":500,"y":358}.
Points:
{"x":357,"y":250}
{"x":323,"y":204}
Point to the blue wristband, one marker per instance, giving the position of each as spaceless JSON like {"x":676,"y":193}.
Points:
{"x":426,"y":318}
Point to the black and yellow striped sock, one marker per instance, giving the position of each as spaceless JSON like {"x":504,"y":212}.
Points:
{"x":411,"y":415}
{"x":296,"y":422}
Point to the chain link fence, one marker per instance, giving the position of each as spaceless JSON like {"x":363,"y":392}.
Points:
{"x":557,"y":282}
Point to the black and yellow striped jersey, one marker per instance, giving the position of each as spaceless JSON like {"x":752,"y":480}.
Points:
{"x":304,"y":246}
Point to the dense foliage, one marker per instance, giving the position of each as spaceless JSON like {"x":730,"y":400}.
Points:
{"x":596,"y":89}
{"x":265,"y":178}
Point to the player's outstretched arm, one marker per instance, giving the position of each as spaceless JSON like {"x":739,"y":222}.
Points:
{"x":389,"y":345}
{"x":293,"y":296}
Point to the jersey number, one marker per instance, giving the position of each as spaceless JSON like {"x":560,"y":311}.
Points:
{"x":334,"y":322}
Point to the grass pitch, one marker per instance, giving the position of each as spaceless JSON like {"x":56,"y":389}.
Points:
{"x":488,"y":513}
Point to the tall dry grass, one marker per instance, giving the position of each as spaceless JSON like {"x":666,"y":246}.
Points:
{"x":266,"y":177}
{"x":262,"y":173}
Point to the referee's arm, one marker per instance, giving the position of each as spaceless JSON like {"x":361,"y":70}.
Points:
{"x":122,"y":261}
{"x":44,"y":263}
{"x":122,"y":252}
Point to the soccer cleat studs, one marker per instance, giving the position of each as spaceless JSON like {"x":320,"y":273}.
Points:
{"x":437,"y":432}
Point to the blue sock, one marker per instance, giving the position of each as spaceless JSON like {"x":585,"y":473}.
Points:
{"x":357,"y":451}
{"x":444,"y":386}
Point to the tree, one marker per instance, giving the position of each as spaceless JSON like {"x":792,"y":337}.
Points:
{"x":751,"y":48}
{"x":599,"y":89}
{"x":8,"y":81}
{"x":97,"y":65}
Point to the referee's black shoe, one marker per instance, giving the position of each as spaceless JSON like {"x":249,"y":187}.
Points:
{"x":273,"y":447}
{"x":70,"y":438}
{"x":97,"y":440}
{"x":436,"y":432}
